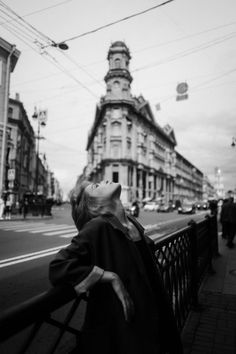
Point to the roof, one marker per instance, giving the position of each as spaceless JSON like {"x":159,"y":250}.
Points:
{"x":8,"y":48}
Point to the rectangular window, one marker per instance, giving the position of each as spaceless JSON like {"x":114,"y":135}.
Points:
{"x":115,"y":177}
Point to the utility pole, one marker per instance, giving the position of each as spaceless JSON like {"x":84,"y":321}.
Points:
{"x":41,"y":117}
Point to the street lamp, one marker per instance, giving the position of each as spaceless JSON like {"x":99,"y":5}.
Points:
{"x":41,"y":117}
{"x":233,"y":142}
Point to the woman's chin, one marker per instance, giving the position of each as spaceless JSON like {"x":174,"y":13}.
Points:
{"x":117,"y":189}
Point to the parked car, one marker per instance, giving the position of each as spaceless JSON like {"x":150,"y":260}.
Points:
{"x":187,"y":208}
{"x":165,"y":208}
{"x":202,"y":205}
{"x":151,"y":206}
{"x":134,"y":209}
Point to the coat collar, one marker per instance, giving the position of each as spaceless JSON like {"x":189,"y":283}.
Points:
{"x":116,"y":224}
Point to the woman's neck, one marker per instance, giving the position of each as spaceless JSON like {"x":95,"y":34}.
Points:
{"x":120,"y":213}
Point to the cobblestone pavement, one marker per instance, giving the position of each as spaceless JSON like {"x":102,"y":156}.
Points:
{"x":212,"y":329}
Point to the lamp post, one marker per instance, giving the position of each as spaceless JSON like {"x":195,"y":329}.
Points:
{"x":233,"y":142}
{"x":41,"y":117}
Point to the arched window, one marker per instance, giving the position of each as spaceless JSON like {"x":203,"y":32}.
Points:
{"x":117,"y":63}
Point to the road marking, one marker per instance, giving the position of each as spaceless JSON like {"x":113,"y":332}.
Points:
{"x":62,"y":230}
{"x":30,"y":256}
{"x":59,"y":232}
{"x":22,"y":226}
{"x":47,"y":228}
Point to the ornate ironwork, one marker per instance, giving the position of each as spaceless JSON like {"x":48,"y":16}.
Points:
{"x":183,"y":257}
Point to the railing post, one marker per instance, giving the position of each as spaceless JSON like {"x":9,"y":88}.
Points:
{"x":193,"y":265}
{"x":214,"y":228}
{"x":211,"y":236}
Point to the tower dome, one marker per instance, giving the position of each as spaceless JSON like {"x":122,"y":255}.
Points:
{"x":118,"y":77}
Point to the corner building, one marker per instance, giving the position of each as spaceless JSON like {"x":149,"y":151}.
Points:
{"x":125,"y":144}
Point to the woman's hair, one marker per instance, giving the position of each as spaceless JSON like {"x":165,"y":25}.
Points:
{"x":84,"y":207}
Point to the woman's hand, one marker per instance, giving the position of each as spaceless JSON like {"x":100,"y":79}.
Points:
{"x":121,"y":292}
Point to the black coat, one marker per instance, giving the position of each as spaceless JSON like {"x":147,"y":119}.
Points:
{"x":105,"y":243}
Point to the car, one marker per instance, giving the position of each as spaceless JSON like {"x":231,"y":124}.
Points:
{"x":151,"y":206}
{"x":202,"y":205}
{"x":165,"y":208}
{"x":187,"y":208}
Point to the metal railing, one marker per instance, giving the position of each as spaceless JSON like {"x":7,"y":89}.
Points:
{"x":183,"y":258}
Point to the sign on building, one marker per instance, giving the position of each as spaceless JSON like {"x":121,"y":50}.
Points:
{"x":43,"y":116}
{"x":11,"y":184}
{"x":182,"y":89}
{"x":11,"y":174}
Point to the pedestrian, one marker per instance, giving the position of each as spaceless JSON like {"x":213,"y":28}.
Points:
{"x":231,"y":214}
{"x":2,"y":206}
{"x":25,"y":207}
{"x":213,"y":205}
{"x":128,"y":309}
{"x":224,"y":218}
{"x":8,"y":208}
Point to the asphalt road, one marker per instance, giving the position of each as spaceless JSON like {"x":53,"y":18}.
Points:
{"x":27,"y":247}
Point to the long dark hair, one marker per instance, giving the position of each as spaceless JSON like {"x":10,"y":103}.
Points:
{"x":79,"y":209}
{"x":84,"y":207}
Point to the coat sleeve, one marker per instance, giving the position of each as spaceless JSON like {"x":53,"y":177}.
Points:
{"x":75,"y":264}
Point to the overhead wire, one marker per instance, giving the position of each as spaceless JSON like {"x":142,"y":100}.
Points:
{"x":42,"y":10}
{"x":29,"y":26}
{"x":186,"y":37}
{"x":117,"y":21}
{"x":200,"y":85}
{"x":44,"y":52}
{"x":188,"y":51}
{"x":176,"y":56}
{"x":172,"y":58}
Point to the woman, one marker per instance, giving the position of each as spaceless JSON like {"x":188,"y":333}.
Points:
{"x":111,"y":260}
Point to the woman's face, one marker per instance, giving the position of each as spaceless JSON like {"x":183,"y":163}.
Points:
{"x":103,"y":190}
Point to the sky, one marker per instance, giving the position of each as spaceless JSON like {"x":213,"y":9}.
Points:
{"x":182,"y":41}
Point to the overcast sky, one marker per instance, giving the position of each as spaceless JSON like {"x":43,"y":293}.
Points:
{"x":184,"y":40}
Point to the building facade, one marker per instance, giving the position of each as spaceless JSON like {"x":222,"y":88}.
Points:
{"x":22,"y":156}
{"x":188,"y":182}
{"x":209,"y":191}
{"x":127,"y":145}
{"x":8,"y":58}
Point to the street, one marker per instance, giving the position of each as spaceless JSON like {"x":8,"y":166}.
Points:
{"x":27,"y":247}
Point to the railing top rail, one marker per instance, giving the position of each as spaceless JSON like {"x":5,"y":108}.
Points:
{"x":41,"y":306}
{"x":160,"y":241}
{"x":35,"y":309}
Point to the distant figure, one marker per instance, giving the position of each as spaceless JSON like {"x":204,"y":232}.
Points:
{"x":25,"y":207}
{"x":8,"y":208}
{"x":112,"y":261}
{"x":134,"y":210}
{"x":2,"y":206}
{"x":224,"y":218}
{"x":213,"y":207}
{"x":231,"y":214}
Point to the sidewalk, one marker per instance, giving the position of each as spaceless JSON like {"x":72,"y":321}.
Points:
{"x":212,"y":330}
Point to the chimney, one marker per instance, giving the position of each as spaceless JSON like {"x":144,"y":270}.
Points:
{"x":17,"y":96}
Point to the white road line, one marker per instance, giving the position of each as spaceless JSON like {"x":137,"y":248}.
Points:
{"x":13,"y":223}
{"x":30,"y":256}
{"x":23,"y":226}
{"x":70,"y":228}
{"x":51,"y":228}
